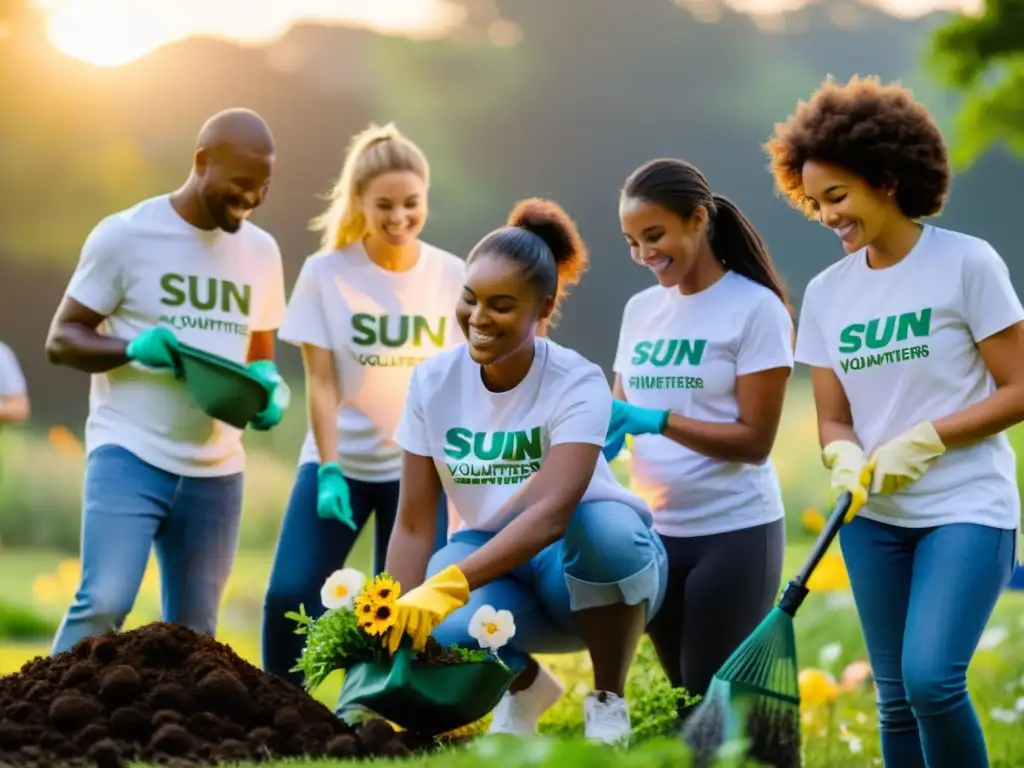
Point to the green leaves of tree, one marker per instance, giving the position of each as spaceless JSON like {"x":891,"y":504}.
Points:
{"x":983,"y":57}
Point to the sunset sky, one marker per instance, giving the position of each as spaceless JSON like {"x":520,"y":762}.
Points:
{"x":116,"y":32}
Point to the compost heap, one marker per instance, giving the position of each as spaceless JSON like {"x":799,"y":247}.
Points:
{"x":163,"y":694}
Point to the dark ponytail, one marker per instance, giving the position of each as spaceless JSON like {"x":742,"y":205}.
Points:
{"x":680,"y":187}
{"x":543,"y":240}
{"x":740,"y":248}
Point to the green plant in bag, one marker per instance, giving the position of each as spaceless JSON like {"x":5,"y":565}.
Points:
{"x":432,"y":690}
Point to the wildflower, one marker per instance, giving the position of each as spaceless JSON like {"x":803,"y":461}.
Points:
{"x":46,"y":588}
{"x":856,"y":674}
{"x":1007,"y":716}
{"x":341,"y":588}
{"x":813,"y":520}
{"x":69,"y":572}
{"x":830,"y":575}
{"x":383,"y":589}
{"x":992,"y":638}
{"x":491,"y":628}
{"x":829,"y":654}
{"x":817,"y":687}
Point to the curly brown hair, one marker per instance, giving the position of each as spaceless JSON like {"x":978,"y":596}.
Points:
{"x":878,"y":132}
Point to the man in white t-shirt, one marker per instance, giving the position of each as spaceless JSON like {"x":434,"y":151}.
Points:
{"x":14,"y":404}
{"x":188,"y":267}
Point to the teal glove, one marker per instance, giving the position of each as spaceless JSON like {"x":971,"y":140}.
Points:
{"x":630,"y":419}
{"x":280,"y":395}
{"x":613,"y":448}
{"x":332,"y":500}
{"x":155,"y":348}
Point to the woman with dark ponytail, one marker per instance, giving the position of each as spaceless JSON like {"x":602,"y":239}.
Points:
{"x":701,"y":370}
{"x":571,"y":553}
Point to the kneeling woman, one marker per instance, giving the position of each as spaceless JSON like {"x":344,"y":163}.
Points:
{"x":570,"y":553}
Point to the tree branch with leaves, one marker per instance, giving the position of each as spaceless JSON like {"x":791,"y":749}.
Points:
{"x":982,"y":57}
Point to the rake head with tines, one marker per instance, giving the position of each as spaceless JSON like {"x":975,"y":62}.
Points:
{"x":752,"y":707}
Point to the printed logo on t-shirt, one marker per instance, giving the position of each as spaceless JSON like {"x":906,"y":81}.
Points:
{"x":493,"y":458}
{"x":859,"y":340}
{"x":205,"y":295}
{"x":664,"y":352}
{"x":397,"y":332}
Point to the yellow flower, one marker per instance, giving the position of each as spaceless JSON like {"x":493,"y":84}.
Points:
{"x":817,"y":687}
{"x":465,"y":732}
{"x":830,"y":575}
{"x":69,"y":572}
{"x":65,"y":442}
{"x":383,"y":589}
{"x":364,"y":609}
{"x":383,"y":619}
{"x":46,"y":588}
{"x":813,"y":520}
{"x":491,"y":628}
{"x":341,"y":588}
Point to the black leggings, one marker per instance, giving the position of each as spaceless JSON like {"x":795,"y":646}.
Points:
{"x":720,"y":587}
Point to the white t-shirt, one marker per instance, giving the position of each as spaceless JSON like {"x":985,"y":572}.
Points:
{"x":146,"y":266}
{"x":486,"y":444}
{"x":903,"y":342}
{"x":683,"y":353}
{"x":12,"y":380}
{"x":379,"y":325}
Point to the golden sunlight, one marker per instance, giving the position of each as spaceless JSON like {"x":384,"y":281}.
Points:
{"x":110,"y":33}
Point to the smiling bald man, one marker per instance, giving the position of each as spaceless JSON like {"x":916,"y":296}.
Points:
{"x":180,"y":267}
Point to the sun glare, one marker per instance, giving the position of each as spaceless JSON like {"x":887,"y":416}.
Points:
{"x":110,"y":33}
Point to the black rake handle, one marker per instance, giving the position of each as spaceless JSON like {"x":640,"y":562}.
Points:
{"x":797,"y":590}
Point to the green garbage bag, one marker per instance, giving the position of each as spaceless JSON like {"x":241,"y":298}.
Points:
{"x":425,"y":699}
{"x":224,"y":389}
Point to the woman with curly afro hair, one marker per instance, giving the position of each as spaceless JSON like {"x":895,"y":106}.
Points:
{"x":916,"y":346}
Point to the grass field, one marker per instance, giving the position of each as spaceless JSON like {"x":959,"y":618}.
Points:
{"x":828,"y":638}
{"x":39,"y":499}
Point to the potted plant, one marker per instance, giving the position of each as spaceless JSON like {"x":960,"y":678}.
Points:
{"x":431,"y":691}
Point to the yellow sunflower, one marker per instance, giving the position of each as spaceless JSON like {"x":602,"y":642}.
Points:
{"x":364,"y":608}
{"x":384,"y":590}
{"x":383,"y":619}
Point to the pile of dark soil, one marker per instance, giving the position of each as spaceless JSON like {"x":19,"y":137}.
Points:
{"x":163,"y":694}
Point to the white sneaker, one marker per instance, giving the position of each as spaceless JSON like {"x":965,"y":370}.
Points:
{"x":518,"y":713}
{"x":606,"y":718}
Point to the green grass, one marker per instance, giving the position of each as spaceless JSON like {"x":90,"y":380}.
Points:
{"x":827,"y":622}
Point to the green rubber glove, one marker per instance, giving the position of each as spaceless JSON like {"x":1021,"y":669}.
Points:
{"x":628,"y":419}
{"x":280,"y":395}
{"x":155,"y":348}
{"x":332,"y":498}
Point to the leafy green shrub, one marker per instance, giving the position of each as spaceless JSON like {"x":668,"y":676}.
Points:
{"x":653,"y":703}
{"x":21,"y":623}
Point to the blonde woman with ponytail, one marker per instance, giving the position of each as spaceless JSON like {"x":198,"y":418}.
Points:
{"x":366,"y":309}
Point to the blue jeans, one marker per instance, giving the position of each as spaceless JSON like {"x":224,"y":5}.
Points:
{"x":310,"y":548}
{"x":924,"y":596}
{"x":606,"y":557}
{"x":130,"y":507}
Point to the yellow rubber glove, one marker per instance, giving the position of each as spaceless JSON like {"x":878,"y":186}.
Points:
{"x":905,"y":458}
{"x":851,"y":472}
{"x":419,"y":611}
